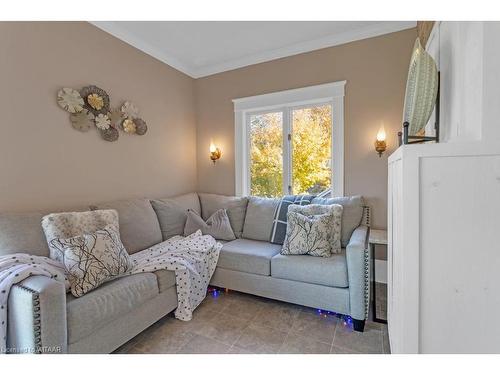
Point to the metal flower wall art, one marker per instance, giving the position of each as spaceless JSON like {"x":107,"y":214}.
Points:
{"x":90,"y":108}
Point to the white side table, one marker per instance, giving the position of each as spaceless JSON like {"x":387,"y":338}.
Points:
{"x":377,"y":237}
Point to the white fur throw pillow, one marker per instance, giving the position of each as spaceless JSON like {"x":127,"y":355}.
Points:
{"x":217,"y":225}
{"x":92,"y":259}
{"x":70,"y":224}
{"x":313,"y":230}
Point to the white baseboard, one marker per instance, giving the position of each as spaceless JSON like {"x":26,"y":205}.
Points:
{"x":380,"y":271}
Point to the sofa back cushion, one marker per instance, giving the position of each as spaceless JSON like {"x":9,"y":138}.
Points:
{"x":259,"y":218}
{"x":189,"y":201}
{"x":139,"y":227}
{"x":172,"y":213}
{"x":22,"y":233}
{"x":351,"y":215}
{"x":236,"y":209}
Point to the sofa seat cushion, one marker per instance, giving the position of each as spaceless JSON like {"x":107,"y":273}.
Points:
{"x":248,"y":256}
{"x":110,"y":301}
{"x":330,"y":271}
{"x":166,"y":279}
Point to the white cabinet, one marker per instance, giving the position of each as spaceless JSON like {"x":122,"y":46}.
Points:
{"x":444,"y":248}
{"x":444,"y":207}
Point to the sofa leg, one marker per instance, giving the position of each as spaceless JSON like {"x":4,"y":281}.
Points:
{"x":358,"y":325}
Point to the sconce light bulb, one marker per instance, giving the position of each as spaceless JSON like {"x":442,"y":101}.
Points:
{"x":215,"y":152}
{"x":381,"y":134}
{"x":380,"y":145}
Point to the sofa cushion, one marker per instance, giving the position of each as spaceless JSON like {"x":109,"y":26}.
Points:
{"x":248,"y":256}
{"x":139,"y":227}
{"x":189,"y":201}
{"x":172,"y":213}
{"x":314,"y":270}
{"x":112,"y":300}
{"x":166,"y":279}
{"x":171,"y":216}
{"x":351,"y":216}
{"x":236,"y":208}
{"x":22,"y":233}
{"x":259,"y":218}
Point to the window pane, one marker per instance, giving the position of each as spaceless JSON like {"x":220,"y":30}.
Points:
{"x":266,"y":154}
{"x":311,"y":149}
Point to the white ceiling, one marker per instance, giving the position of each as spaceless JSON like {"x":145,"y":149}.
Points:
{"x":202,"y":48}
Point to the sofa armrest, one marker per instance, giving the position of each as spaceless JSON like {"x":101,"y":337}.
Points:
{"x":358,"y":271}
{"x":37,"y":316}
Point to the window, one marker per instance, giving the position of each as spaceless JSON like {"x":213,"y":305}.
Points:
{"x":290,"y":142}
{"x":266,"y":154}
{"x":311,"y":149}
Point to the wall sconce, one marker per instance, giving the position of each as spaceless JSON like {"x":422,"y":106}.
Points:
{"x":215,"y":152}
{"x":380,"y":145}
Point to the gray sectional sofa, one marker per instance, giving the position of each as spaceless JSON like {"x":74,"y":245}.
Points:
{"x":43,"y":318}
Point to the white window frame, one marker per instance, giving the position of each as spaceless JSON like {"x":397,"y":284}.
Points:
{"x":285,"y":101}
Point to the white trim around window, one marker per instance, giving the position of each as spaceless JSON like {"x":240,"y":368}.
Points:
{"x":330,"y":93}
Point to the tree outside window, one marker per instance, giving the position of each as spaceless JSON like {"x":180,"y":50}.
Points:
{"x":309,"y":146}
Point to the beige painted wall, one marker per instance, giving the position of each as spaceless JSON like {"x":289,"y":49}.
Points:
{"x":375,"y":70}
{"x":45,"y":163}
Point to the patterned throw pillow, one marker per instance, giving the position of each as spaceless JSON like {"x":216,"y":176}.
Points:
{"x":218,"y":225}
{"x":319,"y":209}
{"x":313,"y":230}
{"x":307,"y":235}
{"x":92,"y":259}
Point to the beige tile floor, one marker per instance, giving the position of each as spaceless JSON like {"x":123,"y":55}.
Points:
{"x":237,"y":323}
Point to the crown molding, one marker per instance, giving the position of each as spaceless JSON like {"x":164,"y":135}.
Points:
{"x":329,"y":41}
{"x":316,"y":44}
{"x":113,"y":28}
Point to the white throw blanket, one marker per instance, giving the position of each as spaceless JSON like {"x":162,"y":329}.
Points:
{"x":192,"y":258}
